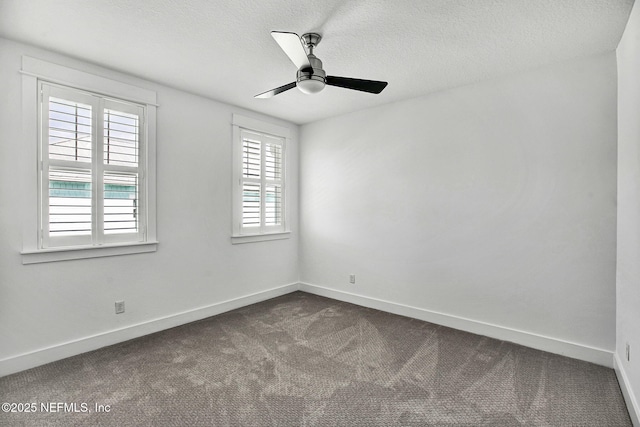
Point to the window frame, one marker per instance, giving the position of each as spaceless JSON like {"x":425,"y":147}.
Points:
{"x":97,"y":167}
{"x":35,"y":73}
{"x":263,"y":232}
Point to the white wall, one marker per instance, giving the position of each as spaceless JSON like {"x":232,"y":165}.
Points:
{"x":46,"y":305}
{"x":628,"y":266}
{"x":494,"y":202}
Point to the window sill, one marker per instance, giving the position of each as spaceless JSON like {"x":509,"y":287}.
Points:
{"x":82,"y":252}
{"x":251,"y":238}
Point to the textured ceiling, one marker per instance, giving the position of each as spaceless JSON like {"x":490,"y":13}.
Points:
{"x":223,"y":49}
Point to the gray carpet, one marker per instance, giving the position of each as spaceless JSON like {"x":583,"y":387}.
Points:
{"x":304,"y":360}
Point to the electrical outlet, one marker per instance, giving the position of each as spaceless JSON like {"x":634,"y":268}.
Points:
{"x":352,"y":278}
{"x":628,"y":352}
{"x":119,"y":307}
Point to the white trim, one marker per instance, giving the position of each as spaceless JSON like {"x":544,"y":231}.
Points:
{"x":250,"y":238}
{"x":65,"y":253}
{"x":66,"y":76}
{"x":35,"y":358}
{"x":540,"y":342}
{"x":32,"y":70}
{"x":589,"y":354}
{"x":260,"y":126}
{"x":149,"y":125}
{"x":261,"y":130}
{"x":629,"y":397}
{"x":31,"y":163}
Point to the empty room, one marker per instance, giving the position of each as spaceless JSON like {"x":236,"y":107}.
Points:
{"x":338,"y":213}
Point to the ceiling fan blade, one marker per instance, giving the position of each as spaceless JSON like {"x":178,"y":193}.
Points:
{"x":371,"y":86}
{"x":292,"y":46}
{"x":273,"y":92}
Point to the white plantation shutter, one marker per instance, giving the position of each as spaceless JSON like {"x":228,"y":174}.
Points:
{"x":251,"y":156}
{"x":251,"y":205}
{"x":68,"y":136}
{"x":70,"y":208}
{"x":120,"y":203}
{"x":70,"y":130}
{"x":91,"y":169}
{"x":121,"y":138}
{"x":122,"y":172}
{"x":261,"y":183}
{"x":273,"y":160}
{"x":273,"y":205}
{"x":273,"y":182}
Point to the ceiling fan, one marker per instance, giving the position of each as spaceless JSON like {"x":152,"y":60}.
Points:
{"x":311,"y":78}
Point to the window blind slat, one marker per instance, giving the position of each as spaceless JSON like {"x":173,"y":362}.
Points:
{"x":251,"y":158}
{"x":251,"y":205}
{"x":69,"y":130}
{"x":120,"y":203}
{"x":70,"y":204}
{"x":69,"y":107}
{"x":273,"y":205}
{"x":273,"y":161}
{"x":121,"y":138}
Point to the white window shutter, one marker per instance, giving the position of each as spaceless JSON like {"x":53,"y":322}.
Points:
{"x":251,"y":156}
{"x":69,"y":130}
{"x":121,"y":203}
{"x":273,"y":177}
{"x":70,"y":202}
{"x":92,"y":164}
{"x":251,"y":204}
{"x":122,"y":179}
{"x":68,"y":137}
{"x":121,"y":138}
{"x":273,"y":205}
{"x":261,"y":183}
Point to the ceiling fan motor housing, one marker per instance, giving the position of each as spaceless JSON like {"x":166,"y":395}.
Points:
{"x":311,"y":79}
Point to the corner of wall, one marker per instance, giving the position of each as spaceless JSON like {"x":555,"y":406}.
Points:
{"x":627,"y":391}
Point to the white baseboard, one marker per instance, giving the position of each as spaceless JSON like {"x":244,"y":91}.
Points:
{"x":629,"y":397}
{"x":39,"y":357}
{"x":50,"y":354}
{"x":528,"y":339}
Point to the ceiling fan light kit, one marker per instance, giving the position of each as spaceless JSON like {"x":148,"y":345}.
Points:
{"x":311,"y":77}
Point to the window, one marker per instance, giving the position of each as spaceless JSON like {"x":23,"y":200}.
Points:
{"x":96,"y":167}
{"x":262,"y":182}
{"x":259,"y":180}
{"x":92,"y":188}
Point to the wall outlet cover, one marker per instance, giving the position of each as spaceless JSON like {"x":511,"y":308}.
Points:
{"x":119,"y":307}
